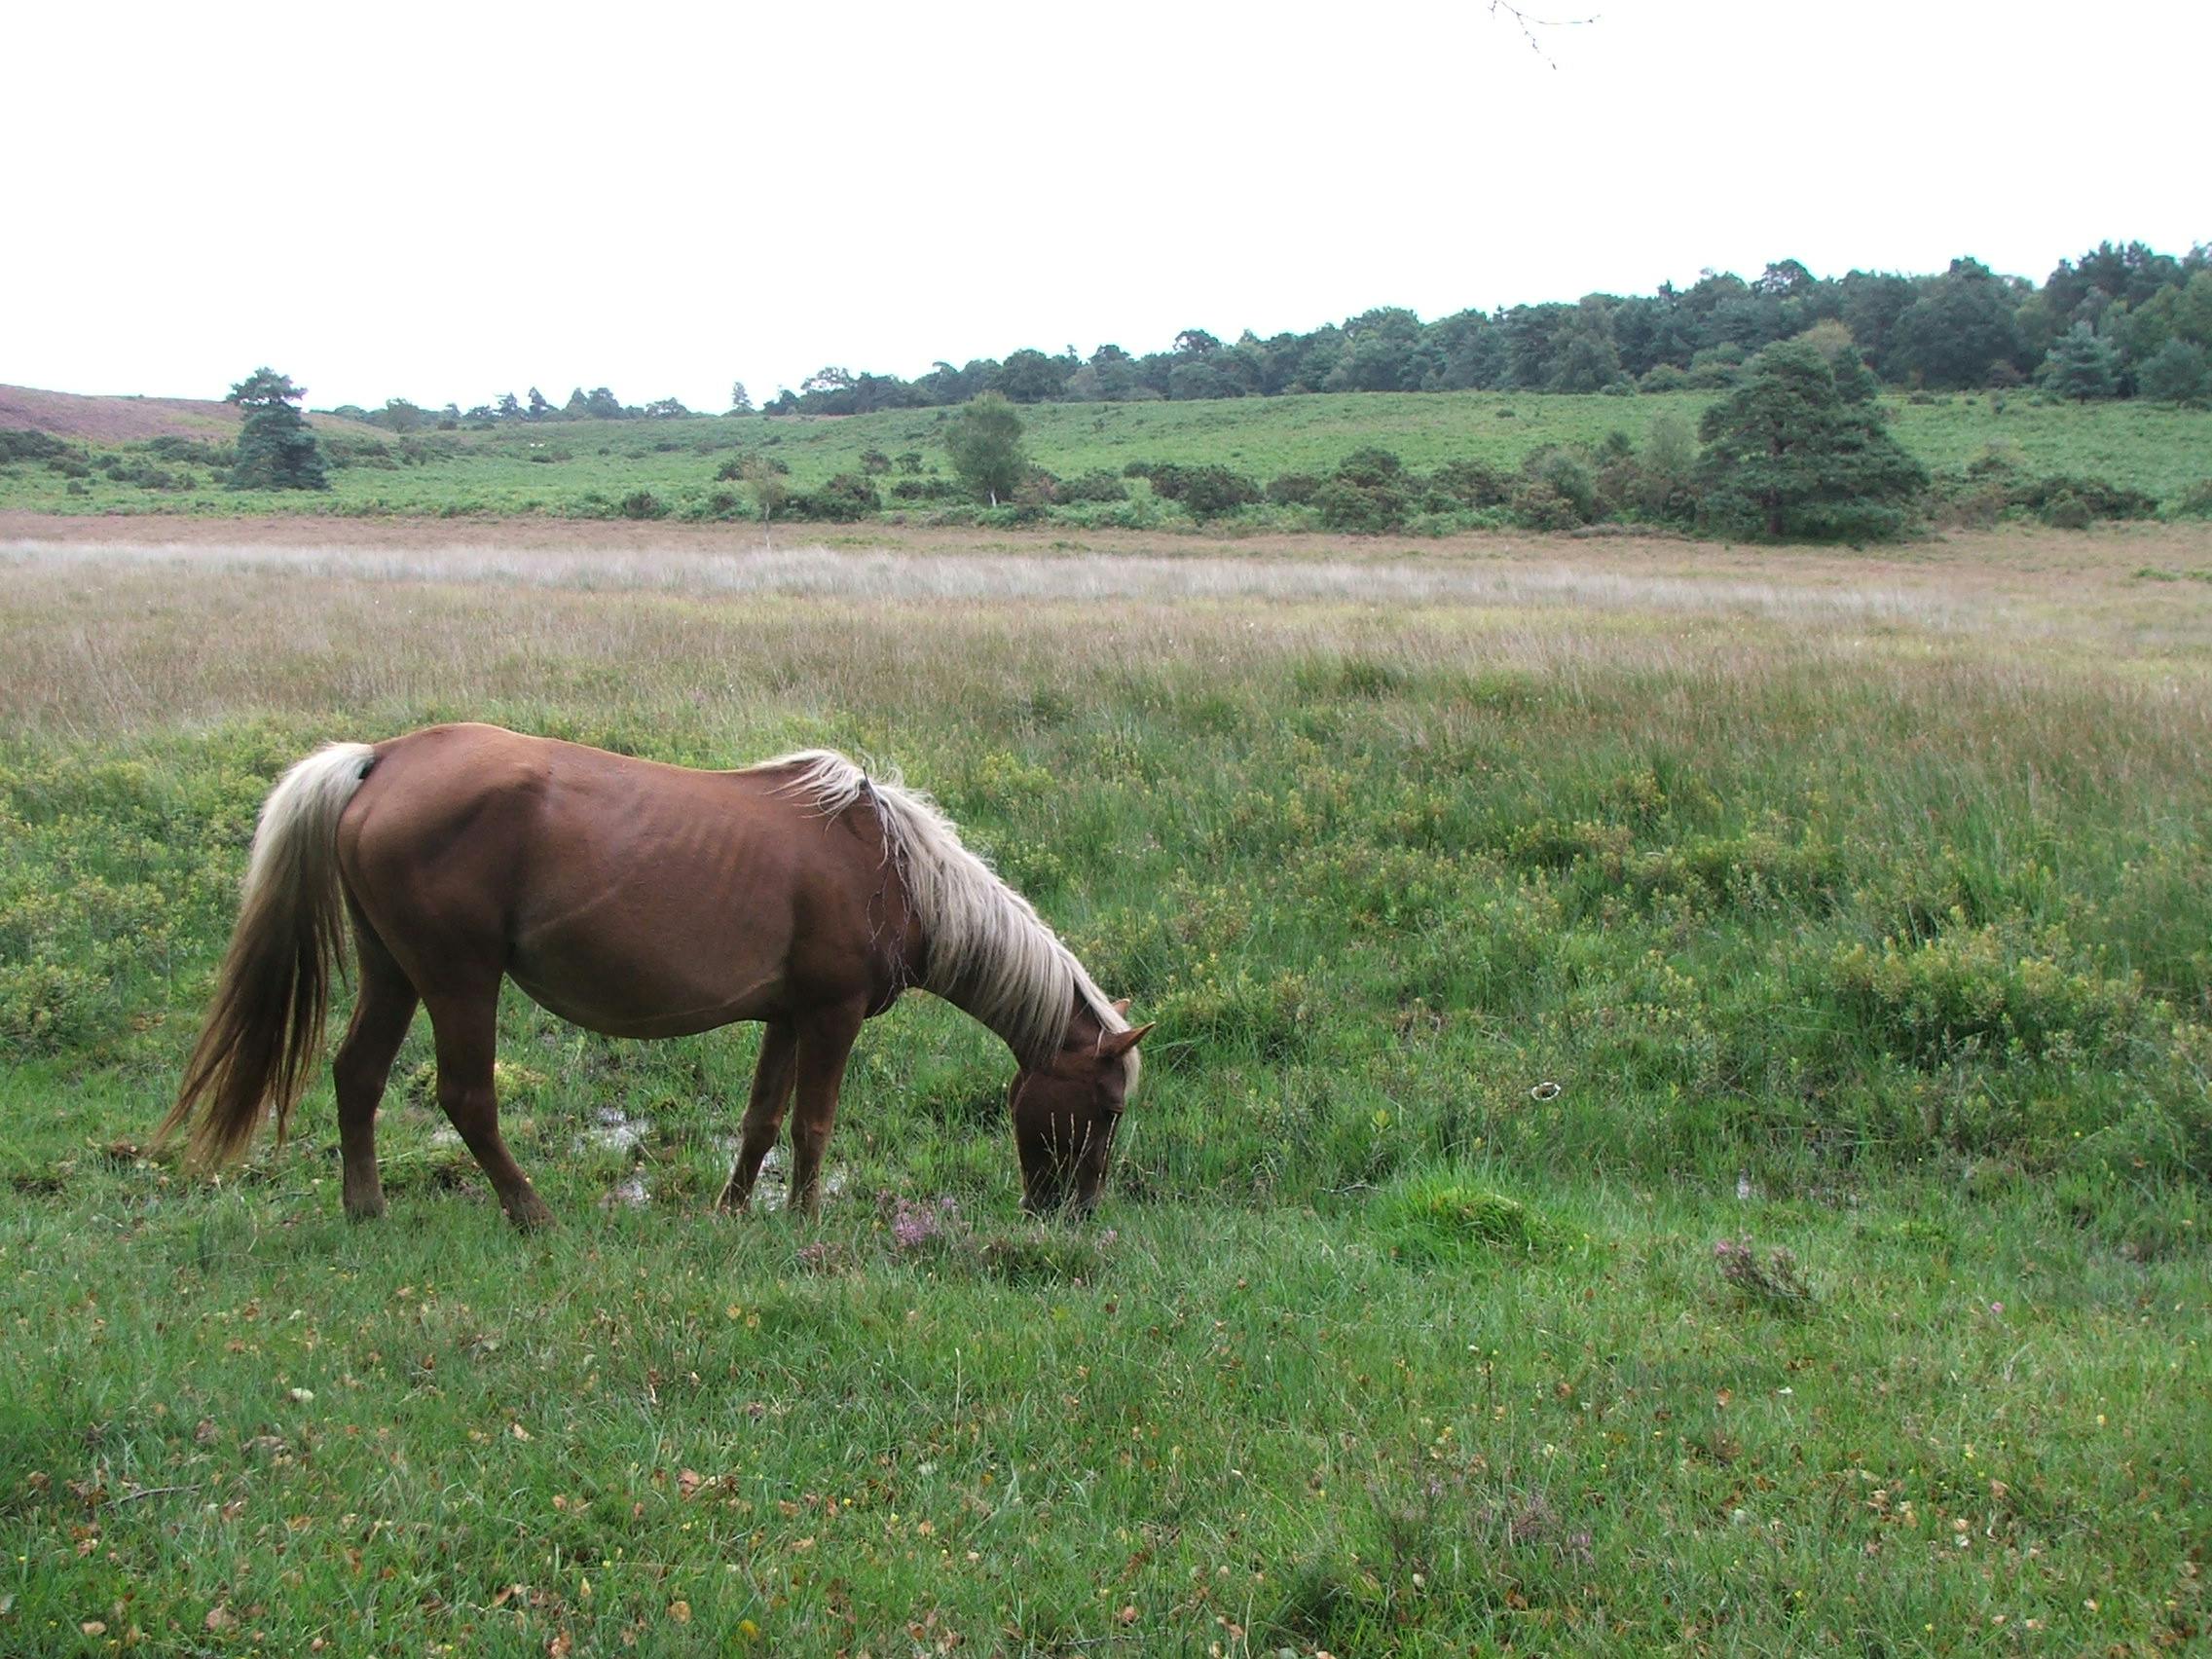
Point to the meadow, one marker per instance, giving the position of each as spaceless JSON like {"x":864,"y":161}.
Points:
{"x":591,"y":468}
{"x":1681,"y":1118}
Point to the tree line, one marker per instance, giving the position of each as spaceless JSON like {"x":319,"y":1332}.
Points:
{"x":400,"y":415}
{"x":2119,"y":322}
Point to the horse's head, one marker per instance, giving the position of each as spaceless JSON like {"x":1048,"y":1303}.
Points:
{"x":1066,"y":1111}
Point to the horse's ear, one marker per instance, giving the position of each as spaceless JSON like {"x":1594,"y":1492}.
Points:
{"x":1121,"y":1007}
{"x":1116,"y":1044}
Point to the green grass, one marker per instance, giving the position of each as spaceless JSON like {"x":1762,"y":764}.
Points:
{"x":587,"y":469}
{"x":1496,"y":947}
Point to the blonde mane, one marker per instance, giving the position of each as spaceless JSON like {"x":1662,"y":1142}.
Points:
{"x":988,"y":948}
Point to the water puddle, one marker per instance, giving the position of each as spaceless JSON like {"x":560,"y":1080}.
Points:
{"x":615,"y":1130}
{"x":772,"y":1190}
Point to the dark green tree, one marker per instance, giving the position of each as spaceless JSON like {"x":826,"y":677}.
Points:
{"x":2178,"y":372}
{"x":2081,"y":366}
{"x":1028,"y":376}
{"x":984,"y":442}
{"x":1786,"y":457}
{"x":1962,"y":327}
{"x":740,"y":401}
{"x":276,"y":450}
{"x":1586,"y":359}
{"x":1198,"y":380}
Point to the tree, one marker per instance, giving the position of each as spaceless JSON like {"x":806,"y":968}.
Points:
{"x":740,"y":401}
{"x":1586,"y":358}
{"x":1962,"y":327}
{"x":1785,"y":455}
{"x":984,"y":442}
{"x":540,"y":408}
{"x":265,"y":389}
{"x":1028,"y":376}
{"x":770,"y":489}
{"x":2081,"y":366}
{"x":400,"y":416}
{"x":1198,"y":380}
{"x":509,"y":408}
{"x":2176,"y":373}
{"x":276,"y":450}
{"x":1855,"y":382}
{"x":1784,"y":279}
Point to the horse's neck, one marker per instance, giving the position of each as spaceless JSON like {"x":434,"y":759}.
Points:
{"x":968,"y":997}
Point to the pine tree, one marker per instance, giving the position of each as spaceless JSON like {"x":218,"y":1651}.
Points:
{"x":276,"y":449}
{"x":1786,"y":457}
{"x":2081,"y":366}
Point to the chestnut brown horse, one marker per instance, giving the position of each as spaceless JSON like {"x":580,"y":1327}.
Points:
{"x":638,"y":899}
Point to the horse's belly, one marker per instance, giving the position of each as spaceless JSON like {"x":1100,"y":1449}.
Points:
{"x":625,"y":993}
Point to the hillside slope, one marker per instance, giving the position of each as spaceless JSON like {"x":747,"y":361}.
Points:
{"x":131,"y":420}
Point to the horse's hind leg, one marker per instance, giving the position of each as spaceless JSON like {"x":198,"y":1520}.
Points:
{"x":465,"y":1026}
{"x":381,"y":1015}
{"x":763,"y":1114}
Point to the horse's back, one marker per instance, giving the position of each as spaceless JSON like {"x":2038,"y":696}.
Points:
{"x":626,"y":895}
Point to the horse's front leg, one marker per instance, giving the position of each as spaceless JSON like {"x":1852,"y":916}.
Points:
{"x":764,"y":1113}
{"x":825,"y":1043}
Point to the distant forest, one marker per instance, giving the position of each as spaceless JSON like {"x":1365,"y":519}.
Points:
{"x":2120,"y":321}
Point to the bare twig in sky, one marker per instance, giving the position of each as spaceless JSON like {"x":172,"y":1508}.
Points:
{"x":1529,"y":25}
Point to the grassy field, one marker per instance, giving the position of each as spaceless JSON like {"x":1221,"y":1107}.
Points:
{"x":1679,"y":1119}
{"x":586,"y":469}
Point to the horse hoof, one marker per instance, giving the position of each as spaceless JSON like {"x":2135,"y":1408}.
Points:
{"x":372,"y":1210}
{"x":531,"y":1218}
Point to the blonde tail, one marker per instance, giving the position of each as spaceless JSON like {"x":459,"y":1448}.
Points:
{"x":266,"y":1025}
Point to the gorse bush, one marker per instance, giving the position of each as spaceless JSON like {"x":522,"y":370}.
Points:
{"x":1203,"y":491}
{"x":846,"y":497}
{"x":18,"y":446}
{"x":1368,"y":491}
{"x":1098,"y":486}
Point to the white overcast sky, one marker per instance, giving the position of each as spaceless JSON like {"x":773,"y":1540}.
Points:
{"x":453,"y":201}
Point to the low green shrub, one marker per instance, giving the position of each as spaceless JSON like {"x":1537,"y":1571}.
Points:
{"x":1443,"y":1217}
{"x":1985,"y":991}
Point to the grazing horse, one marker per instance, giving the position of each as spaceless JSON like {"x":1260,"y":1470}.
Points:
{"x":636,"y":900}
